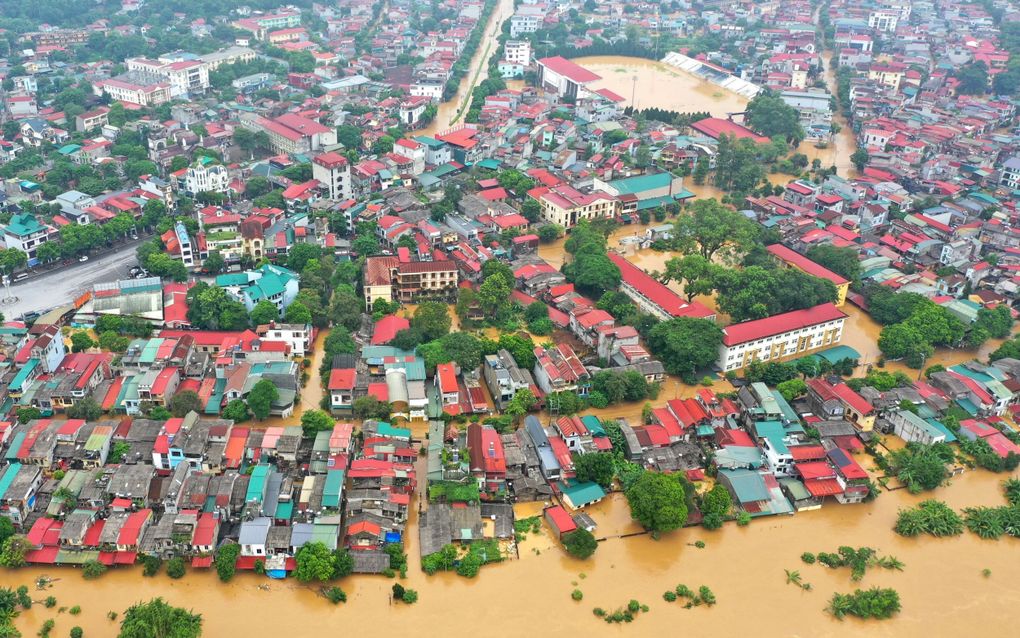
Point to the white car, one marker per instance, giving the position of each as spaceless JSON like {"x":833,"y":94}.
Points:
{"x":83,"y":258}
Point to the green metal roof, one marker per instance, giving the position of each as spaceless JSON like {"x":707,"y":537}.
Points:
{"x":23,"y":374}
{"x":641,"y":183}
{"x":581,"y":494}
{"x":8,"y":478}
{"x":257,"y":483}
{"x":333,"y":489}
{"x":24,"y":224}
{"x":12,"y":451}
{"x":593,"y":424}
{"x":748,"y":485}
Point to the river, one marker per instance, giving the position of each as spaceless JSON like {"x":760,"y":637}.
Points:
{"x":449,"y":112}
{"x":942,"y":587}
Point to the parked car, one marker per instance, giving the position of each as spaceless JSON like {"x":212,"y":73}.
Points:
{"x":83,"y":258}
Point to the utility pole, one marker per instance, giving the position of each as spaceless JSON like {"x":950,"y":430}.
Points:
{"x":633,"y":94}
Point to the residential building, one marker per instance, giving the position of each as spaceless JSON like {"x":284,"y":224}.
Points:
{"x":800,"y":262}
{"x":272,"y":283}
{"x":566,"y":206}
{"x":333,"y":170}
{"x":144,"y":94}
{"x":25,"y":233}
{"x":567,"y":79}
{"x":654,"y":297}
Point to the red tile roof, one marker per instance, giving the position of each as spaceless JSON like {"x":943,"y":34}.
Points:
{"x":715,"y":127}
{"x":569,"y":70}
{"x":801,"y":262}
{"x":788,"y":321}
{"x":657,"y":292}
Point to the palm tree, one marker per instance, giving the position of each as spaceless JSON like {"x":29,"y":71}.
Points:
{"x":793,"y":577}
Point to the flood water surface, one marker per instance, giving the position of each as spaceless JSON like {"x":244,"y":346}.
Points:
{"x":942,"y":588}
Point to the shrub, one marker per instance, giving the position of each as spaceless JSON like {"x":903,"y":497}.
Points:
{"x":577,"y":594}
{"x":175,"y":567}
{"x":669,"y":596}
{"x":151,"y":565}
{"x":743,"y":519}
{"x":226,"y":561}
{"x":929,"y":517}
{"x":398,"y":591}
{"x":808,"y":558}
{"x":873,"y":603}
{"x":50,"y":602}
{"x":410,"y":596}
{"x":74,"y":611}
{"x":335,"y":595}
{"x":92,"y":569}
{"x":580,"y":543}
{"x":76,"y":632}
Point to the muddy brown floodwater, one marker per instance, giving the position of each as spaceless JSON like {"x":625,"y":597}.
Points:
{"x":942,"y":587}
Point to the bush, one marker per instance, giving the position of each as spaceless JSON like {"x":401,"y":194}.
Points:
{"x":577,"y":594}
{"x":151,"y":565}
{"x":226,"y":561}
{"x":929,"y":517}
{"x":74,"y":611}
{"x":76,"y":632}
{"x":50,"y":602}
{"x":92,"y":569}
{"x":335,"y":595}
{"x":410,"y":596}
{"x":175,"y":567}
{"x":580,"y":543}
{"x":743,"y":519}
{"x":808,"y":558}
{"x":873,"y":603}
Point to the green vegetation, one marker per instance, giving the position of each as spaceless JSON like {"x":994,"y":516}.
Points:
{"x":929,"y":517}
{"x":872,"y":603}
{"x":858,"y":560}
{"x":151,"y":565}
{"x":157,"y":619}
{"x":993,"y":522}
{"x":226,"y":561}
{"x":335,"y":595}
{"x":580,"y":543}
{"x":921,"y":467}
{"x":92,"y":569}
{"x":451,"y":492}
{"x":658,"y":502}
{"x":577,"y":595}
{"x":176,"y":567}
{"x":715,"y":507}
{"x":704,"y":596}
{"x":468,"y":565}
{"x":623,"y":614}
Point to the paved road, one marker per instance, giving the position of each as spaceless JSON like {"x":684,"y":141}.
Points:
{"x":62,"y":285}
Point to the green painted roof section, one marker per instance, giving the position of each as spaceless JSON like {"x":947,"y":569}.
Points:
{"x":641,"y":183}
{"x":581,"y":494}
{"x":593,"y":424}
{"x":429,"y":141}
{"x":774,"y":432}
{"x":8,"y":478}
{"x":12,"y":451}
{"x":284,"y":510}
{"x":387,"y":430}
{"x":212,"y":406}
{"x":748,"y":485}
{"x":24,"y":224}
{"x":950,"y":437}
{"x":23,"y":374}
{"x":796,"y":488}
{"x":333,"y":489}
{"x":257,"y":483}
{"x":68,"y":149}
{"x":324,"y":533}
{"x":968,"y":406}
{"x":232,"y":279}
{"x":488,"y":163}
{"x":96,"y":442}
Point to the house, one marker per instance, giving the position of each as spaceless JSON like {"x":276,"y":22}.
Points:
{"x":566,"y":206}
{"x":341,"y":387}
{"x":654,"y":297}
{"x":565,"y":78}
{"x":333,"y":170}
{"x":447,"y":388}
{"x":389,"y":278}
{"x":504,"y":378}
{"x":559,"y":369}
{"x":913,"y":429}
{"x":272,"y":283}
{"x":784,"y":335}
{"x":487,"y":458}
{"x":559,"y":520}
{"x":24,"y":232}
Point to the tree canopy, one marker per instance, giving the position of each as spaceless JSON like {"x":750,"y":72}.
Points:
{"x":158,"y":619}
{"x":657,"y":501}
{"x":712,"y":228}
{"x":769,"y":115}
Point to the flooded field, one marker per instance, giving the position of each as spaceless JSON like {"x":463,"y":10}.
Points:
{"x":941,"y":587}
{"x":648,"y":84}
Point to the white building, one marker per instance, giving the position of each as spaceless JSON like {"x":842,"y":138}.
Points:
{"x":148,"y":94}
{"x":1010,"y":173}
{"x":202,"y":178}
{"x":185,"y":245}
{"x":184,"y":76}
{"x":432,"y":89}
{"x":912,"y":428}
{"x":784,"y":335}
{"x":517,"y":52}
{"x":297,"y":336}
{"x":333,"y":170}
{"x":527,"y":19}
{"x":884,"y":20}
{"x":230,"y":55}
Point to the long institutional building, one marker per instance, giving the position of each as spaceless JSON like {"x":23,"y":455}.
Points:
{"x":780,"y":337}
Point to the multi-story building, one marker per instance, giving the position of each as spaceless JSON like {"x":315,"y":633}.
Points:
{"x":566,"y":206}
{"x":333,"y":170}
{"x":517,"y":52}
{"x":387,"y":277}
{"x":230,"y":55}
{"x":781,"y":336}
{"x":25,"y":233}
{"x":527,"y":19}
{"x":884,"y":20}
{"x":185,"y":77}
{"x":654,"y":297}
{"x":93,"y":119}
{"x":143,"y":94}
{"x":796,"y":260}
{"x":204,"y":176}
{"x":293,"y":134}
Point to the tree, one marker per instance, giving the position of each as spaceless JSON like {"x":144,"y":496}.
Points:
{"x":14,"y":551}
{"x":264,"y":312}
{"x":494,"y":297}
{"x":997,"y":321}
{"x":973,"y":78}
{"x":519,"y":405}
{"x":297,"y":313}
{"x":888,"y":307}
{"x":184,"y":402}
{"x":237,"y":411}
{"x":657,"y":501}
{"x":580,"y":543}
{"x":300,"y":254}
{"x":157,"y":619}
{"x":349,"y":136}
{"x":921,"y":467}
{"x":432,"y":319}
{"x":314,"y":421}
{"x":226,"y":561}
{"x":901,"y":341}
{"x":860,"y":159}
{"x":548,"y":233}
{"x":694,"y":272}
{"x":261,"y":398}
{"x":86,"y":408}
{"x":343,"y":562}
{"x":840,"y":260}
{"x":593,"y":272}
{"x":113,"y":342}
{"x":769,"y":115}
{"x":81,"y":341}
{"x":369,"y":407}
{"x":597,"y":467}
{"x":211,"y":308}
{"x":214,"y":263}
{"x":792,"y":389}
{"x":712,"y":228}
{"x":685,"y":344}
{"x":6,"y":529}
{"x":717,"y":502}
{"x":314,"y":562}
{"x":27,"y":414}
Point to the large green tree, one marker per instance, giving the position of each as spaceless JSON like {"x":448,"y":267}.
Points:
{"x":710,"y":228}
{"x":314,"y":562}
{"x":685,"y":344}
{"x":158,"y":619}
{"x":657,"y":501}
{"x":261,"y":397}
{"x":769,"y":115}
